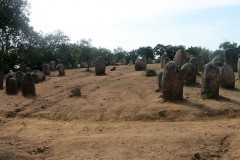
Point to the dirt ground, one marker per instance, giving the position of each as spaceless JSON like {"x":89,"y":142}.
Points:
{"x":119,"y":116}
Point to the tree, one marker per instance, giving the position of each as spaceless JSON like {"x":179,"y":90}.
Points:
{"x":119,"y":53}
{"x":145,"y":51}
{"x":14,"y":27}
{"x":227,"y":44}
{"x":86,"y":48}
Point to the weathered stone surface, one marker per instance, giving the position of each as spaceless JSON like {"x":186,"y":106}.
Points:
{"x":157,"y":60}
{"x":150,"y":73}
{"x":149,"y":60}
{"x":231,"y":58}
{"x":160,"y":80}
{"x":11,"y":87}
{"x":8,"y":77}
{"x":189,"y":73}
{"x":193,"y":61}
{"x":172,"y":84}
{"x":75,"y":65}
{"x":166,"y":60}
{"x":112,"y":61}
{"x":180,"y":57}
{"x":218,"y":61}
{"x":19,"y":77}
{"x":75,"y":92}
{"x":46,"y":69}
{"x":28,"y":69}
{"x":130,"y":62}
{"x":61,"y":69}
{"x":200,"y":63}
{"x":38,"y":76}
{"x":100,"y":65}
{"x":113,"y":68}
{"x":210,"y":81}
{"x":122,"y":61}
{"x":239,"y":69}
{"x":28,"y":87}
{"x":140,"y":65}
{"x":1,"y":78}
{"x":52,"y":65}
{"x":162,"y":59}
{"x":227,"y":77}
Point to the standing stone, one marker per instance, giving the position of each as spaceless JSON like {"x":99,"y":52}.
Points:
{"x":130,"y":62}
{"x":160,"y":80}
{"x":172,"y":84}
{"x":218,"y":61}
{"x":19,"y":76}
{"x":28,"y":69}
{"x":61,"y":69}
{"x":149,"y":60}
{"x":140,"y":65}
{"x":1,"y":78}
{"x":52,"y":65}
{"x":11,"y":87}
{"x":210,"y":81}
{"x":227,"y":77}
{"x":112,"y":61}
{"x":189,"y":73}
{"x":200,"y":63}
{"x":231,"y":58}
{"x":193,"y":61}
{"x":8,"y":77}
{"x":239,"y":69}
{"x":28,"y":87}
{"x":157,"y":60}
{"x":38,"y":76}
{"x":46,"y":69}
{"x":100,"y":65}
{"x":180,"y":57}
{"x":162,"y":59}
{"x":166,"y":60}
{"x":75,"y":65}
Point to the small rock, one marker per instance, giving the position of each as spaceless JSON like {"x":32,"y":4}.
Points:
{"x":197,"y":155}
{"x":41,"y":149}
{"x":113,"y":69}
{"x":75,"y":92}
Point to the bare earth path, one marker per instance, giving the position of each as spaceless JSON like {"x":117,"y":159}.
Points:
{"x":118,"y":116}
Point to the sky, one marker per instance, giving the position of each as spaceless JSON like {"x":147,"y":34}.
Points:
{"x":131,"y":24}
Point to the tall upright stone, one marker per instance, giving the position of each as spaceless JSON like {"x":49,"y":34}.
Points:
{"x":210,"y":81}
{"x":52,"y":65}
{"x":162,"y":59}
{"x":28,"y":87}
{"x":172,"y":84}
{"x":11,"y":87}
{"x":239,"y":69}
{"x":61,"y":69}
{"x":149,"y":60}
{"x":8,"y":77}
{"x":188,"y":73}
{"x":100,"y":65}
{"x":1,"y":78}
{"x":38,"y":76}
{"x":193,"y":61}
{"x":200,"y":63}
{"x":140,"y":65}
{"x":231,"y":58}
{"x":19,"y":77}
{"x":160,"y":80}
{"x":227,"y":77}
{"x":166,"y":60}
{"x":46,"y":69}
{"x":218,"y":61}
{"x":180,"y":57}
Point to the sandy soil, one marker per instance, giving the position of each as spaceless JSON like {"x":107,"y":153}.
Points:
{"x":118,"y":116}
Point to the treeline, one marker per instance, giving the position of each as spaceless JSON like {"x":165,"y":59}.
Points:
{"x":23,"y":47}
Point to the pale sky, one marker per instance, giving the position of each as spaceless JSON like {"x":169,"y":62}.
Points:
{"x":131,"y":24}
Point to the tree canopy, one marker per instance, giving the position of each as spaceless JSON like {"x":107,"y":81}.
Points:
{"x":21,"y":46}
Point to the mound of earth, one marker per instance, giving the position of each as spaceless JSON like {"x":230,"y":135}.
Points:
{"x":118,"y":116}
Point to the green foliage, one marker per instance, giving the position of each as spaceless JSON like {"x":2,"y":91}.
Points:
{"x":145,"y":51}
{"x":227,"y":44}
